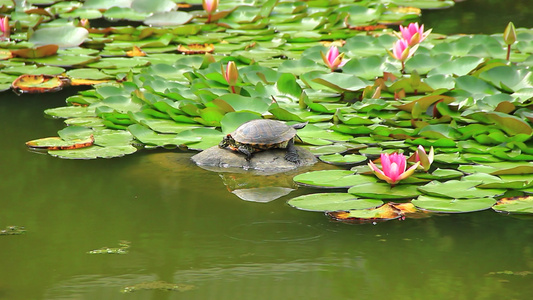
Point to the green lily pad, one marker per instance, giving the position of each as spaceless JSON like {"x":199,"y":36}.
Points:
{"x":520,"y":205}
{"x":458,"y":189}
{"x":446,"y":205}
{"x":150,"y":137}
{"x":209,"y":137}
{"x":63,"y":36}
{"x":170,"y":18}
{"x":332,"y":202}
{"x":94,"y":152}
{"x":332,"y":179}
{"x":440,"y":174}
{"x":381,"y":190}
{"x":338,"y":159}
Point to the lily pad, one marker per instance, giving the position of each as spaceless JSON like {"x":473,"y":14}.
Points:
{"x":446,"y":205}
{"x":338,"y":159}
{"x":332,"y":179}
{"x":63,"y":36}
{"x":381,"y":190}
{"x":332,"y":202}
{"x":519,"y":205}
{"x":385,"y":212}
{"x":458,"y":189}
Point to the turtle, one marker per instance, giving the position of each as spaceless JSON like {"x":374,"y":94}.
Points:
{"x":263,"y":134}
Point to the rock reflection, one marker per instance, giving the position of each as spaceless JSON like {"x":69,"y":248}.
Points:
{"x":258,"y":188}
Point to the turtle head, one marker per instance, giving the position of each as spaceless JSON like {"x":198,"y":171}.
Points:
{"x":226,"y":141}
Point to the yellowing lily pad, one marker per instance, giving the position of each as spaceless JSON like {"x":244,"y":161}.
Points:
{"x":385,"y":212}
{"x":518,"y":205}
{"x":39,"y":83}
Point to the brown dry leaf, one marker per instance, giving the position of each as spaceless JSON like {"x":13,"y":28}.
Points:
{"x":86,"y":81}
{"x":338,"y":43}
{"x":136,"y":51}
{"x":196,"y":48}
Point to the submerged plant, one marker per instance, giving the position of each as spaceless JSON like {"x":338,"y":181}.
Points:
{"x":393,"y":168}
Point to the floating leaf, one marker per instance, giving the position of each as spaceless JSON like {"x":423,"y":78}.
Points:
{"x":62,"y":36}
{"x":332,"y":179}
{"x":42,"y":51}
{"x":519,"y":205}
{"x":170,"y":18}
{"x":458,"y":189}
{"x":57,"y":143}
{"x":446,"y":205}
{"x":39,"y":83}
{"x":338,"y":159}
{"x":381,"y":190}
{"x":332,"y":202}
{"x":360,"y":216}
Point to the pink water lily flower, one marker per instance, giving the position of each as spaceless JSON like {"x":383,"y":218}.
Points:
{"x":424,"y":158}
{"x":210,"y":6}
{"x":333,"y":59}
{"x":413,"y":33}
{"x":5,"y":30}
{"x":231,"y":74}
{"x":393,"y":168}
{"x":402,"y":51}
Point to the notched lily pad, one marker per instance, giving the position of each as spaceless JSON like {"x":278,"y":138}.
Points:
{"x":446,"y":205}
{"x":332,"y":202}
{"x":338,"y":159}
{"x":332,"y":179}
{"x":517,"y":205}
{"x":39,"y":84}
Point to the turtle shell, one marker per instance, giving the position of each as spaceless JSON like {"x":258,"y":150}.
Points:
{"x":263,"y":132}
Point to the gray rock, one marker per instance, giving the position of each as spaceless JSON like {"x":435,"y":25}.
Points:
{"x":265,"y":162}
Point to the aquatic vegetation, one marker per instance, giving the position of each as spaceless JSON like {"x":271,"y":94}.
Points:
{"x":509,"y":37}
{"x":158,"y":285}
{"x":413,"y":33}
{"x":458,"y":95}
{"x":5,"y":30}
{"x":210,"y":6}
{"x":333,"y":59}
{"x":122,"y":249}
{"x":231,"y":75}
{"x":13,"y":230}
{"x":393,"y":168}
{"x":423,"y":157}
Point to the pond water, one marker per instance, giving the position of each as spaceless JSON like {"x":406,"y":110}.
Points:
{"x":184,"y":227}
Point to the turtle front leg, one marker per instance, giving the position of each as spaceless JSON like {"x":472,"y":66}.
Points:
{"x":292,"y":153}
{"x":244,"y":150}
